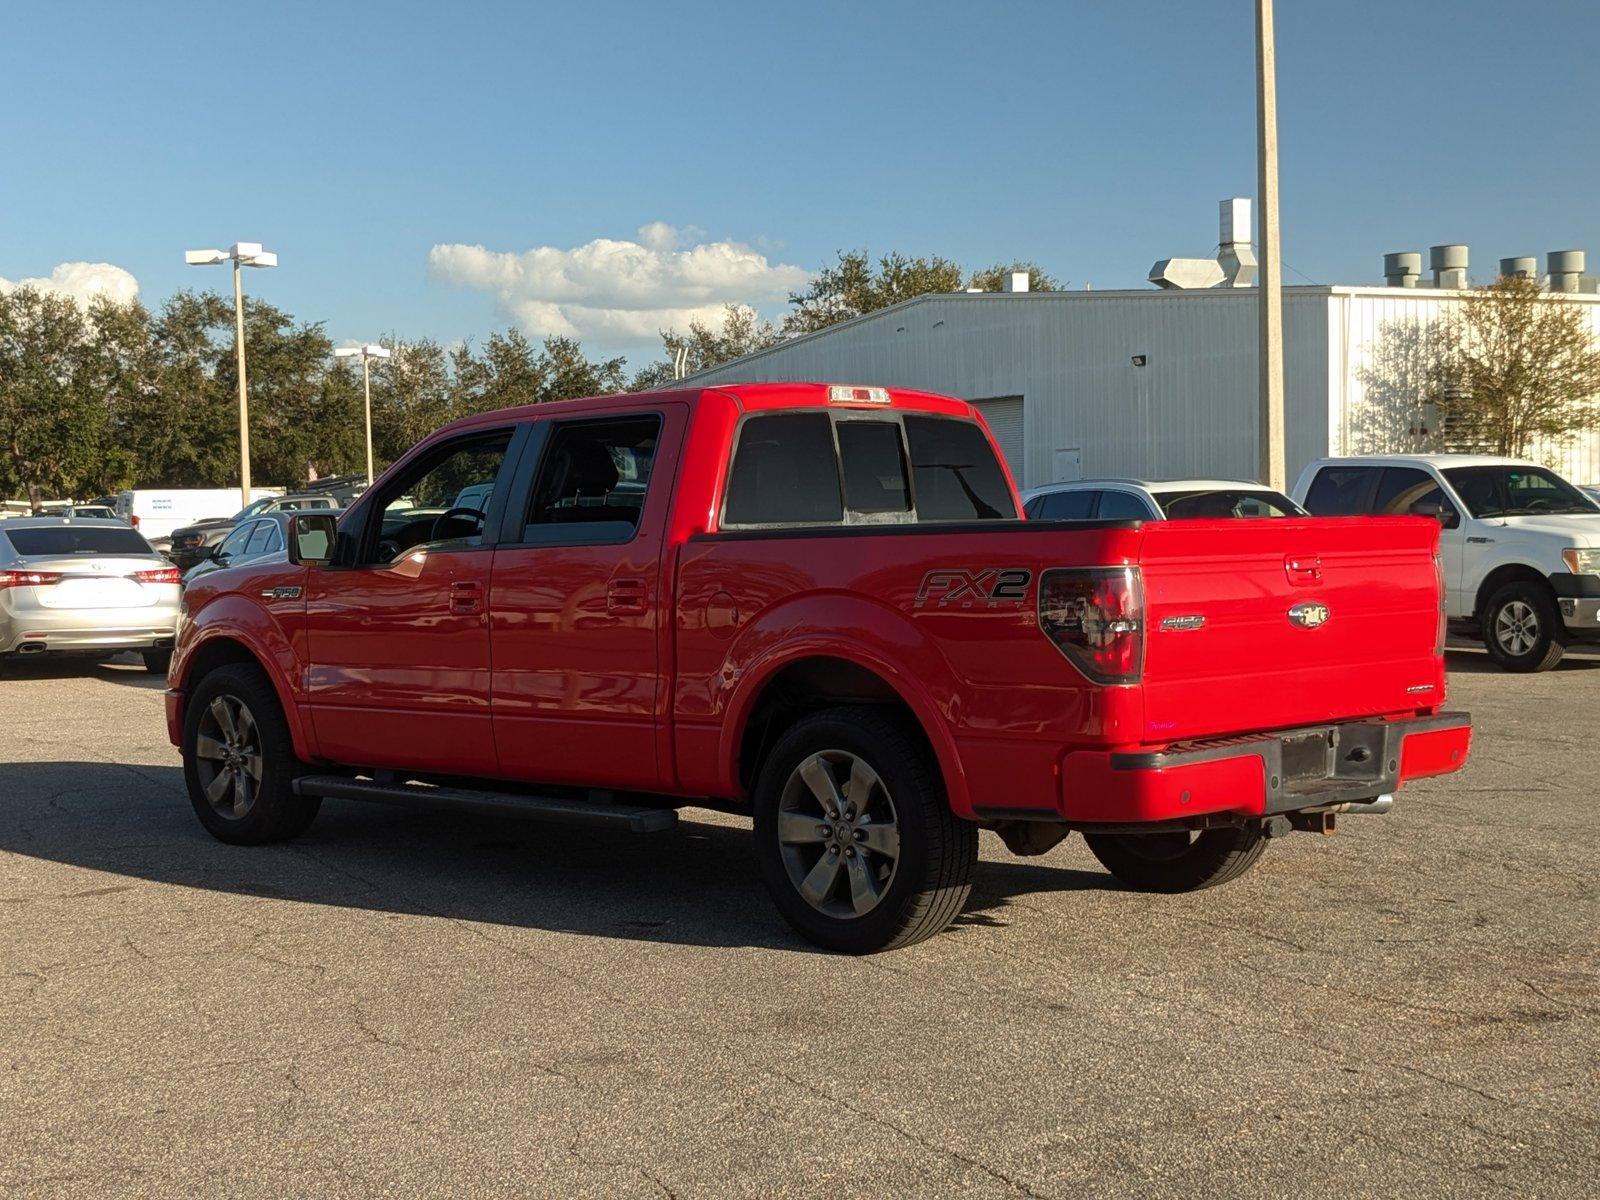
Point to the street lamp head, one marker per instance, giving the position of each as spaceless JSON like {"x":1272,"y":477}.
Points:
{"x":266,"y":258}
{"x":204,"y":258}
{"x":367,"y":351}
{"x":375,"y":352}
{"x":347,"y":351}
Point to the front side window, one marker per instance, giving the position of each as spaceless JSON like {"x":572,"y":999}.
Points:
{"x":418,"y":506}
{"x":1516,"y":491}
{"x":784,"y":472}
{"x":592,"y":480}
{"x":955,"y":472}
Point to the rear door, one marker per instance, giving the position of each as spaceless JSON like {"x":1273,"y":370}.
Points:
{"x":1269,"y":624}
{"x":576,"y":598}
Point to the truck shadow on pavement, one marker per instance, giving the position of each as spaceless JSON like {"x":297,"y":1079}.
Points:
{"x":696,"y":885}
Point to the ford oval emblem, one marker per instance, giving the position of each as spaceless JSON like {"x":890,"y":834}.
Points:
{"x":1309,"y":615}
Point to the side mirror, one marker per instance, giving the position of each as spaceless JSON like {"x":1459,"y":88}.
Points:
{"x":312,"y":537}
{"x":1447,"y":517}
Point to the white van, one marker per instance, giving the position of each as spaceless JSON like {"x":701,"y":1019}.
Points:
{"x":156,"y":512}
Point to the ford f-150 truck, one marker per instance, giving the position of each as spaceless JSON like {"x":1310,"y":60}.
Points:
{"x":816,"y":605}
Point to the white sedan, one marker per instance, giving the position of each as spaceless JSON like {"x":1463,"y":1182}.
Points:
{"x":1168,"y":500}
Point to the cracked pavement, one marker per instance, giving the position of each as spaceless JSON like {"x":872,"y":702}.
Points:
{"x":401,"y":1003}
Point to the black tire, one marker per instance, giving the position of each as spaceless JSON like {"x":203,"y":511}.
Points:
{"x":926,"y":883}
{"x":1522,"y":628}
{"x":1181,"y":862}
{"x":271,"y":812}
{"x":157,"y":661}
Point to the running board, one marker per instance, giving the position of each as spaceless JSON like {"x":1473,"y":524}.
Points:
{"x":633,"y":818}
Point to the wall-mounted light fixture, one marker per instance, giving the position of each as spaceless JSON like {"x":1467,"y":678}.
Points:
{"x":1139,"y":360}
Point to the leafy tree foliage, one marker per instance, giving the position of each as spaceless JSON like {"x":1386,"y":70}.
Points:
{"x":1515,"y":366}
{"x":741,"y":332}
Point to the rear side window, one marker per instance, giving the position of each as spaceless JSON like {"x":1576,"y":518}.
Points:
{"x":956,"y":474}
{"x":1401,"y":487}
{"x":874,"y":467}
{"x":1120,"y":506}
{"x":76,"y":539}
{"x":784,"y":472}
{"x":1064,"y":506}
{"x":1340,"y":492}
{"x":594,"y":476}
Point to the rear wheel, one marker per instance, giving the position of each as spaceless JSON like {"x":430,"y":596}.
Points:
{"x":1522,"y":628}
{"x":1183,"y":861}
{"x":855,"y":836}
{"x":238,"y":760}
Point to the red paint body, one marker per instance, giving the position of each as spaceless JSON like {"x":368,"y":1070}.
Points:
{"x":636,"y":666}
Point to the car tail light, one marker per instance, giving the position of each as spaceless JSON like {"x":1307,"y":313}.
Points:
{"x":10,"y":579}
{"x":133,"y":519}
{"x":1444,"y":623}
{"x":1095,"y":616}
{"x":159,"y":575}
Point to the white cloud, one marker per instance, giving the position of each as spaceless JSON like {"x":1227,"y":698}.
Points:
{"x":620,"y":293}
{"x":82,"y":281}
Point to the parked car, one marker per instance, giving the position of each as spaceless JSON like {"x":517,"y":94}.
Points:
{"x":96,"y":512}
{"x":818,"y":606}
{"x":1520,"y":546}
{"x":76,"y":585}
{"x":156,"y":512}
{"x":1172,"y":499}
{"x":257,"y":538}
{"x":192,"y":544}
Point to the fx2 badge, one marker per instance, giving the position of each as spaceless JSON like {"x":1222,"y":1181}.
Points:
{"x":989,"y":586}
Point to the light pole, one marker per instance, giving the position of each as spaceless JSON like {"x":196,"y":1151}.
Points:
{"x":367,"y":354}
{"x":241,"y":254}
{"x":1269,"y":294}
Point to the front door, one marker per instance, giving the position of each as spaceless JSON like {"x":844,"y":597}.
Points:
{"x":398,"y":638}
{"x":576,"y":602}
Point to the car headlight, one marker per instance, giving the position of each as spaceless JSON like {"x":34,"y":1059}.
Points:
{"x":1582,"y":562}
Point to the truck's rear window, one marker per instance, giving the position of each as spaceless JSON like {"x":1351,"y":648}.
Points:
{"x":76,"y":539}
{"x":955,"y":472}
{"x":785,"y":472}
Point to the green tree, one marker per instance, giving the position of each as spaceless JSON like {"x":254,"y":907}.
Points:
{"x":52,"y":422}
{"x":741,"y":332}
{"x":569,"y":374}
{"x":1515,"y":366}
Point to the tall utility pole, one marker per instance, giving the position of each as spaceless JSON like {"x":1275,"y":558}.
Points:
{"x":241,"y":254}
{"x":1270,"y":434}
{"x":366,"y":353}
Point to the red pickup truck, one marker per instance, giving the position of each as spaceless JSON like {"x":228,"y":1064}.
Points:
{"x":816,"y":605}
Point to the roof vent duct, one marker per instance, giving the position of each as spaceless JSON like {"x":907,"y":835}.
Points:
{"x":1016,"y":281}
{"x":1519,"y":268}
{"x":1402,"y":269}
{"x":1565,"y":268}
{"x":1235,"y":254}
{"x":1449,"y":265}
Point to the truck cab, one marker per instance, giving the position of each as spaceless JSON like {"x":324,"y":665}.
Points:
{"x":1520,"y":546}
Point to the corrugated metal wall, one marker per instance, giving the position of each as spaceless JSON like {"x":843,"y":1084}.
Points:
{"x":1190,"y":410}
{"x":1379,"y":344}
{"x":1005,"y":417}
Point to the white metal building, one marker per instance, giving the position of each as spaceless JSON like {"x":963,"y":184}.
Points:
{"x":1152,"y":383}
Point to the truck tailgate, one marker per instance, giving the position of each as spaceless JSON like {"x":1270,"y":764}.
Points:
{"x":1269,"y":624}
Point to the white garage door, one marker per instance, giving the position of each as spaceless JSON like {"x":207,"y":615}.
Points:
{"x":1004,"y":414}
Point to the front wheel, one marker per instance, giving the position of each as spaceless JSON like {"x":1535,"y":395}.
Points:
{"x":238,"y":760}
{"x":854,"y":834}
{"x":1522,"y":628}
{"x":1183,"y":861}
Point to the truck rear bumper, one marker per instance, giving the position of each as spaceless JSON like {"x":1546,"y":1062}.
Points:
{"x":1349,"y":762}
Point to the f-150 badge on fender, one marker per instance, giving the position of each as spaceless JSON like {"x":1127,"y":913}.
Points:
{"x":1309,"y":615}
{"x":991,"y":586}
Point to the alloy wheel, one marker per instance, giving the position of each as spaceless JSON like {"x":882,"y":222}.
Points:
{"x":1516,"y":627}
{"x":228,"y":756}
{"x":838,"y":833}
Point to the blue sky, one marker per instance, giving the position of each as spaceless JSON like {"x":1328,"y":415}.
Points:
{"x":1092,"y":137}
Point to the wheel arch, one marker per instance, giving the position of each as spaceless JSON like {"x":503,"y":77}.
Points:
{"x":228,"y":648}
{"x":1513,"y":572}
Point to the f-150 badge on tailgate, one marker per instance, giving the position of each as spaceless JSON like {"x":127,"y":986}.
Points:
{"x":1309,"y":615}
{"x":991,"y":586}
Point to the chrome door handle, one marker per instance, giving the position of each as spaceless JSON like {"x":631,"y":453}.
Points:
{"x":466,"y":597}
{"x":625,"y":596}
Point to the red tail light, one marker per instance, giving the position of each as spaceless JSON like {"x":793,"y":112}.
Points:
{"x":133,"y":520}
{"x":9,"y":579}
{"x":159,"y":575}
{"x":1095,"y":617}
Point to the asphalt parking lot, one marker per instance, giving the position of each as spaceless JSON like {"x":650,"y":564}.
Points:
{"x":403,"y":1003}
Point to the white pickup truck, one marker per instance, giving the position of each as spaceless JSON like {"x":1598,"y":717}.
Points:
{"x":1520,"y":545}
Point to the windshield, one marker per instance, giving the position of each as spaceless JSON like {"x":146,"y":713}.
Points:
{"x":77,"y":539}
{"x":1226,"y":503}
{"x":1516,"y":491}
{"x":251,"y":509}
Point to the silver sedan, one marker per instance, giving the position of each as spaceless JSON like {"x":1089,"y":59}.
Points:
{"x":79,"y":585}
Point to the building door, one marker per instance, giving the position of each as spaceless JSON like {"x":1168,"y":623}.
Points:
{"x":1068,"y":466}
{"x":1003,"y":414}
